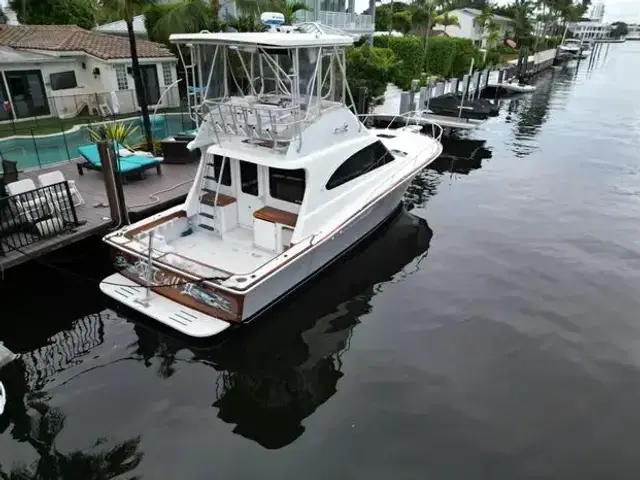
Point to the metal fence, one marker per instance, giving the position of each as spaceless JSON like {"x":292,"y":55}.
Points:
{"x":54,"y":133}
{"x":29,"y":217}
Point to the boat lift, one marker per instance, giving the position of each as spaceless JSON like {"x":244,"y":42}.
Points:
{"x":398,"y":103}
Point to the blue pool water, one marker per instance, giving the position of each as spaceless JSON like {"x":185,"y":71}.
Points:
{"x":37,"y":151}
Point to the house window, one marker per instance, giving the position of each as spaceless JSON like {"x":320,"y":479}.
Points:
{"x":368,"y":159}
{"x":167,"y":73}
{"x":226,"y":173}
{"x":287,"y":185}
{"x":62,"y":80}
{"x":121,"y":77}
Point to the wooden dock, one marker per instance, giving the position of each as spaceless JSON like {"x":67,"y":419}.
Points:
{"x":143,"y":197}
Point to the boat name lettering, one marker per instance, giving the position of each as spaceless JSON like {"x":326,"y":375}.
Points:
{"x":140,"y":269}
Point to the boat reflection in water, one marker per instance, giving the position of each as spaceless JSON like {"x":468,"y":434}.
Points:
{"x":276,"y":373}
{"x":461,"y":155}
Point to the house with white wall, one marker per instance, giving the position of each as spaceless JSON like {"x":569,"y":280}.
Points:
{"x":64,"y":70}
{"x":469,"y":29}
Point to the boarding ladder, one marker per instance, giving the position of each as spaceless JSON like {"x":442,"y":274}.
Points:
{"x":209,"y":193}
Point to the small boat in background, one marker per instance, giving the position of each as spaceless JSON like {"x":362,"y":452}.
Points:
{"x":512,"y":86}
{"x":452,"y":104}
{"x":571,"y":46}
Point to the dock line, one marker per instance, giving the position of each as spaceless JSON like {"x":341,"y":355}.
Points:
{"x":155,"y":198}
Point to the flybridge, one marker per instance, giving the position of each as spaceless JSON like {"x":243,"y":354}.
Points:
{"x":263,"y":88}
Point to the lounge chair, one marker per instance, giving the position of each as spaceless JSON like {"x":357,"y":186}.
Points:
{"x":130,"y":165}
{"x":28,"y":200}
{"x":60,"y":195}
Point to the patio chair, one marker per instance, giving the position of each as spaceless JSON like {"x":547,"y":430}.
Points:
{"x":134,"y":164}
{"x":28,"y":201}
{"x":60,"y":196}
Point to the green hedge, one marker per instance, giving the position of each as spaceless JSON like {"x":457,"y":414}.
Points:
{"x":446,"y":57}
{"x":369,"y":68}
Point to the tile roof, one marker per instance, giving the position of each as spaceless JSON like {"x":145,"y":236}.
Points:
{"x":66,"y":38}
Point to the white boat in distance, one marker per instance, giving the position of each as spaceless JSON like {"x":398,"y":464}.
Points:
{"x":571,"y":46}
{"x":289,"y":179}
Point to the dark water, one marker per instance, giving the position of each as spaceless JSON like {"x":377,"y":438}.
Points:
{"x":494,"y":333}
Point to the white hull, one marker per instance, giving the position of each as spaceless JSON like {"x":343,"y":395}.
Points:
{"x":197,"y":324}
{"x":514,"y":87}
{"x":323,"y":253}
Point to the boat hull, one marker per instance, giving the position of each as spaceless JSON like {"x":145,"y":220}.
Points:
{"x":323,"y":254}
{"x":193,"y":322}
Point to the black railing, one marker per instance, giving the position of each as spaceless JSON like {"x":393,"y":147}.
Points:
{"x":30,"y":217}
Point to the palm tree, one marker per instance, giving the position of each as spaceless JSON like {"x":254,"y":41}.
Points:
{"x":446,"y":20}
{"x":492,"y":34}
{"x":127,"y":9}
{"x":289,"y":8}
{"x":421,"y":16}
{"x":188,"y":16}
{"x":485,"y":20}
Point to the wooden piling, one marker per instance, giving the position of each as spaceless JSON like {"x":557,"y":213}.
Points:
{"x":113,"y":182}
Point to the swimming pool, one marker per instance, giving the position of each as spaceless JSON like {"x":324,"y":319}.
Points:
{"x":41,"y":150}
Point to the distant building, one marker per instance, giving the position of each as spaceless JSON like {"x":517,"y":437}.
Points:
{"x":634,"y":31}
{"x":469,"y":29}
{"x":590,"y":30}
{"x":596,"y":12}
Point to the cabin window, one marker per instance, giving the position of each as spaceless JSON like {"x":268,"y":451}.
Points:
{"x":226,"y":173}
{"x":287,"y":185}
{"x":369,"y":158}
{"x":249,"y":178}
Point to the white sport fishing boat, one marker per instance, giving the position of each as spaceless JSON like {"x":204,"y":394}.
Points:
{"x":289,"y":180}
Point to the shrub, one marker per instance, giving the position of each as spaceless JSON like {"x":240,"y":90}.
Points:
{"x":115,"y":131}
{"x":446,"y":57}
{"x":371,"y":68}
{"x":493,"y":58}
{"x":409,"y":51}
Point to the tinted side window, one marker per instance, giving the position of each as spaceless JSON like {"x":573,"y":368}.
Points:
{"x":287,"y":185}
{"x":360,"y":163}
{"x":226,"y":173}
{"x":249,"y":178}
